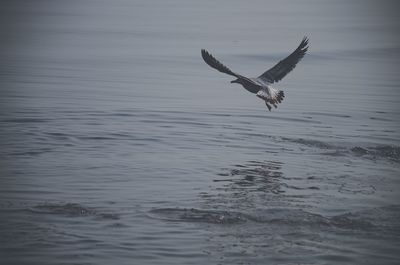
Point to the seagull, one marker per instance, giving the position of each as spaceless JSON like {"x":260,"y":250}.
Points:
{"x":261,"y":86}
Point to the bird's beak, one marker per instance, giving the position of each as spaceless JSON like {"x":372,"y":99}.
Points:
{"x":234,"y":81}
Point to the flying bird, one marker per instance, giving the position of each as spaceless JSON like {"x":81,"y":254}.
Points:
{"x":261,"y":86}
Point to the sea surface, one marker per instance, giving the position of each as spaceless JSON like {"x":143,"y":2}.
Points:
{"x":119,"y":145}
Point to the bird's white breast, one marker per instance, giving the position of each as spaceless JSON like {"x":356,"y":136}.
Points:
{"x":263,"y":93}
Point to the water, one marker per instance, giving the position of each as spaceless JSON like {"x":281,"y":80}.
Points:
{"x":118,"y":144}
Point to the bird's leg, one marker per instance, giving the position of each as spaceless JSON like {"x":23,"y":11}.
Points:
{"x":269,"y":107}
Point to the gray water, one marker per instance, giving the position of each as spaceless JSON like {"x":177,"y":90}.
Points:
{"x":119,"y":145}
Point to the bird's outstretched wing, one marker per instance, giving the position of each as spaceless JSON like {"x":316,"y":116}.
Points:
{"x":281,"y":69}
{"x":214,"y":63}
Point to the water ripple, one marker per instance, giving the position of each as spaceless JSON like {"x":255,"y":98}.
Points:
{"x":279,"y":216}
{"x":71,"y":210}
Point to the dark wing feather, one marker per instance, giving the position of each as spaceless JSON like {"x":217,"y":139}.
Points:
{"x":214,"y":63}
{"x":281,"y":69}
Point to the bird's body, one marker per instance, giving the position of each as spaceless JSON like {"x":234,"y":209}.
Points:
{"x":261,"y":86}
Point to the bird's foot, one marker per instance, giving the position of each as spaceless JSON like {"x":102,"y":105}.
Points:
{"x":269,"y":107}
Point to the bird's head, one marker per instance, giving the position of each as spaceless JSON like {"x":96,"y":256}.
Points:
{"x":235,"y":81}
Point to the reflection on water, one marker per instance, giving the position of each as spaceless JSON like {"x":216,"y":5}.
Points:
{"x":254,"y":176}
{"x":249,"y":216}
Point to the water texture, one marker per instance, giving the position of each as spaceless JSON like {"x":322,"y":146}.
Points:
{"x":119,"y":145}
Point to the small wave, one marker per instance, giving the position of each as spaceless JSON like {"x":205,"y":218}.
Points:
{"x":300,"y":120}
{"x":359,"y":188}
{"x":71,"y":210}
{"x":58,"y":135}
{"x":199,"y":216}
{"x":380,"y":218}
{"x":24,"y":120}
{"x":273,"y":216}
{"x":389,"y":152}
{"x":97,"y":138}
{"x":381,"y":151}
{"x":327,"y":114}
{"x":309,"y":142}
{"x":121,"y":114}
{"x":34,"y":152}
{"x":350,"y":221}
{"x":380,"y":119}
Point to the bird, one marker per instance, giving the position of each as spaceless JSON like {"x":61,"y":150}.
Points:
{"x":261,"y":85}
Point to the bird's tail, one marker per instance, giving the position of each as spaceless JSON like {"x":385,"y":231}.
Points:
{"x":280,"y":96}
{"x":276,"y":96}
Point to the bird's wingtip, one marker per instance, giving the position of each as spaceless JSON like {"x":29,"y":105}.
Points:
{"x":305,"y":40}
{"x":204,"y":53}
{"x":304,"y":43}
